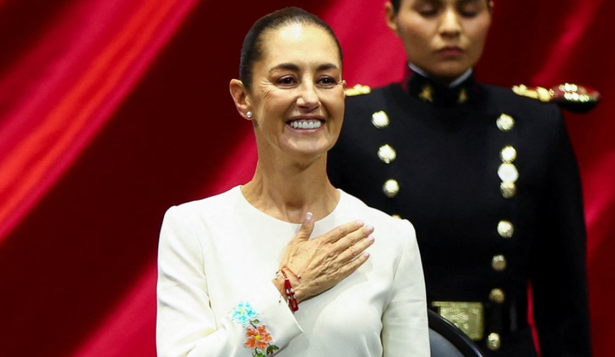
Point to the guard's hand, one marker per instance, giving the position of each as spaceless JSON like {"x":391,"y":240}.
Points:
{"x":324,"y":261}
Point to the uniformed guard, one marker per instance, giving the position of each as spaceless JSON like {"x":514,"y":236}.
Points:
{"x":487,"y":176}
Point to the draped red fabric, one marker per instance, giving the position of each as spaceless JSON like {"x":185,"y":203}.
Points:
{"x":113,"y":110}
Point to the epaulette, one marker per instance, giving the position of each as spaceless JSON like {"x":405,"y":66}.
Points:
{"x":358,"y":89}
{"x":573,"y":97}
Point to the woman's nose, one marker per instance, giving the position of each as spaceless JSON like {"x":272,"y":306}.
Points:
{"x":449,"y":24}
{"x":308,"y":98}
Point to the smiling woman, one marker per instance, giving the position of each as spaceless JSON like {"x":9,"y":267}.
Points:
{"x":287,"y":264}
{"x":295,"y":93}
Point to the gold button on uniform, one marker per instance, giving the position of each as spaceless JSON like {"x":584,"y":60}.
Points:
{"x":497,"y":296}
{"x":380,"y":119}
{"x":506,"y":229}
{"x":505,"y":122}
{"x":508,"y":154}
{"x":493,"y":341}
{"x":498,"y":263}
{"x":508,"y":173}
{"x":387,"y":154}
{"x":508,"y":189}
{"x":391,"y":188}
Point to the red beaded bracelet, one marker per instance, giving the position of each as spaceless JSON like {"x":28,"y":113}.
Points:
{"x":290,"y":293}
{"x":298,"y":277}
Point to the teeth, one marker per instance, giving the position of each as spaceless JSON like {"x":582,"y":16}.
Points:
{"x":304,"y":124}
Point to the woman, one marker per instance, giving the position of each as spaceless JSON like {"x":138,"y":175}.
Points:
{"x":487,"y":177}
{"x":232,"y":279}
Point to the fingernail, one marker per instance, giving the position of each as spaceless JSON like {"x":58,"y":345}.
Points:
{"x":360,"y":223}
{"x":371,"y":238}
{"x":369,"y":228}
{"x":366,"y":255}
{"x":308,"y":216}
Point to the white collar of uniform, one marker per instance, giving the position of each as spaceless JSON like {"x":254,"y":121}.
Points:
{"x":453,"y":84}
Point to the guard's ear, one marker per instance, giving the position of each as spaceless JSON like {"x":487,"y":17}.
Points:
{"x":241,"y":98}
{"x":390,"y":17}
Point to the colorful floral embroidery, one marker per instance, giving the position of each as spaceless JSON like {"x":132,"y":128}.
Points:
{"x":259,"y":339}
{"x":243,"y":313}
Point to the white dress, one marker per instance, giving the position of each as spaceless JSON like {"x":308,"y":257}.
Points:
{"x":218,"y":257}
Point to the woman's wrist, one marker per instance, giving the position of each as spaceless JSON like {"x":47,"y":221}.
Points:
{"x":289,"y":291}
{"x":286,"y":282}
{"x":278,"y":281}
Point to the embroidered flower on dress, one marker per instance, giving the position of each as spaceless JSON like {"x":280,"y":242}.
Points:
{"x":243,"y":313}
{"x":259,"y":339}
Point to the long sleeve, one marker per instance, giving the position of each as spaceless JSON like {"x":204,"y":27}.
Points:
{"x":187,"y":325}
{"x":405,"y":318}
{"x":559,"y":282}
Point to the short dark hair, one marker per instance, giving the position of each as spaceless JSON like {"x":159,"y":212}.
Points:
{"x":252,"y":49}
{"x":397,"y":3}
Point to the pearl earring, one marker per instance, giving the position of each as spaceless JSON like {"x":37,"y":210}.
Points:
{"x":249,"y":114}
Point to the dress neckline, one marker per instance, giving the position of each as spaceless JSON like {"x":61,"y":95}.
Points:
{"x":253,"y":211}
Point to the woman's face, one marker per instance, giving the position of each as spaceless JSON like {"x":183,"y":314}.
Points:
{"x":297,"y":95}
{"x":442,"y":37}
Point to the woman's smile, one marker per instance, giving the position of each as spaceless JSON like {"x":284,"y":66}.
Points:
{"x":303,"y":124}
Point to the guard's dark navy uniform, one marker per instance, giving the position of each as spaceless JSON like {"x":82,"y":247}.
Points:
{"x":490,"y":182}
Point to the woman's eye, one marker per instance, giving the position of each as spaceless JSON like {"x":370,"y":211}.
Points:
{"x":428,"y":13}
{"x":427,"y":10}
{"x":286,"y":81}
{"x":469,"y":10}
{"x":327,"y":81}
{"x":468,"y":13}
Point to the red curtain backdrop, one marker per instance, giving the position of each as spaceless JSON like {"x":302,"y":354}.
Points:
{"x":113,"y":110}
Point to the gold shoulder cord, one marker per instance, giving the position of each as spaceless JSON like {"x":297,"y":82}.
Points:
{"x":574,"y":97}
{"x":358,"y":89}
